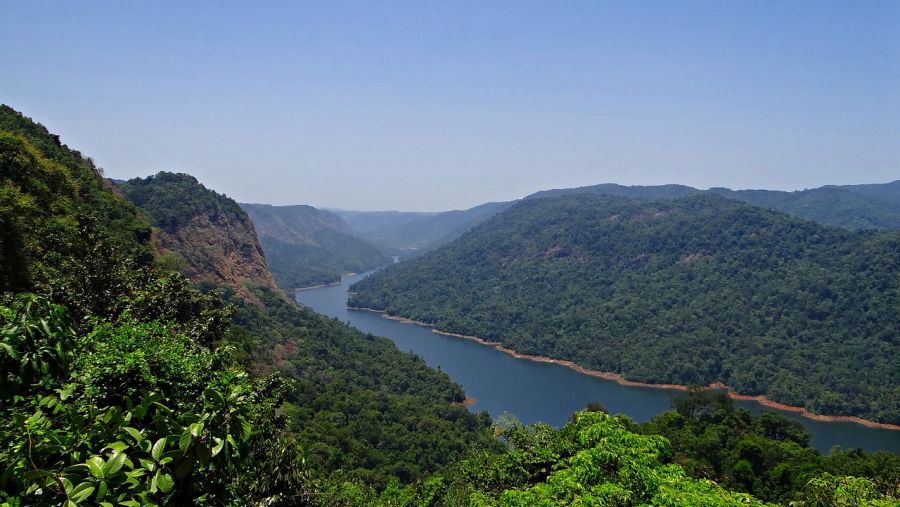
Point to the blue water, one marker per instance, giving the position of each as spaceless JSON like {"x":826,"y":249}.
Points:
{"x":533,"y":391}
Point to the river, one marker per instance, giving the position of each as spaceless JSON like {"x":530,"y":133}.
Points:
{"x":533,"y":391}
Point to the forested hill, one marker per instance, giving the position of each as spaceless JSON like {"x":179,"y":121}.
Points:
{"x":872,"y":206}
{"x":120,"y":384}
{"x":307,"y":246}
{"x":202,"y":233}
{"x":409,"y":234}
{"x":690,"y":291}
{"x":116,"y":386}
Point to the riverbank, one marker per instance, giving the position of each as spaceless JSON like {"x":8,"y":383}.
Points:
{"x":762,"y":400}
{"x":319,"y":286}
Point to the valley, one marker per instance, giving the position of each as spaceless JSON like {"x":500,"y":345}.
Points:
{"x":533,"y":389}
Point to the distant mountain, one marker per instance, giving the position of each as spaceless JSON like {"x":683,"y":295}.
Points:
{"x":307,"y":246}
{"x":413,"y":233}
{"x":888,"y":191}
{"x":875,"y":206}
{"x":694,"y":290}
{"x":204,"y":233}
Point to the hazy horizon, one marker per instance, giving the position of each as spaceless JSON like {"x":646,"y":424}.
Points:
{"x":433,"y":107}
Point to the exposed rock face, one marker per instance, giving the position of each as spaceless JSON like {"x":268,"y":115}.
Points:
{"x":221,"y":249}
{"x":208,"y":232}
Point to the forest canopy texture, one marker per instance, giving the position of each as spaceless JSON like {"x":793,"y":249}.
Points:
{"x":694,"y":290}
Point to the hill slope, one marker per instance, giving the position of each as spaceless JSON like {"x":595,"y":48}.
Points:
{"x":114,"y":389}
{"x":307,"y":246}
{"x":210,"y":232}
{"x":689,"y":291}
{"x":412,"y":233}
{"x":874,"y":206}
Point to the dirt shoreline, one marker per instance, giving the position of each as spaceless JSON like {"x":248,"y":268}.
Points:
{"x":319,"y":286}
{"x":615,"y":377}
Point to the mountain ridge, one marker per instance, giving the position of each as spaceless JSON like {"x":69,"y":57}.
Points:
{"x":713,"y":285}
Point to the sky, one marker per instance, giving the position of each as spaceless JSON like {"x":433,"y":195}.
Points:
{"x":428,"y":105}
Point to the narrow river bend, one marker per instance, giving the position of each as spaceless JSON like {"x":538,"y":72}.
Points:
{"x":534,"y":391}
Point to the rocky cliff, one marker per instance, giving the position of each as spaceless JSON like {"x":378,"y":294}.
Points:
{"x":206,"y":235}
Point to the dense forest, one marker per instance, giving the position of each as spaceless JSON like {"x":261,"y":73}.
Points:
{"x":121,"y":383}
{"x":870,"y":206}
{"x":306,"y":246}
{"x":690,"y":291}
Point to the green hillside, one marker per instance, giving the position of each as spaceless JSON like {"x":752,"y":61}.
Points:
{"x":123,"y":384}
{"x":690,"y":291}
{"x":872,"y":206}
{"x":305,"y":246}
{"x":409,"y":234}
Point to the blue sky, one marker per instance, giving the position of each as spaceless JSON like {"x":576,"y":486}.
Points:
{"x":443,"y":105}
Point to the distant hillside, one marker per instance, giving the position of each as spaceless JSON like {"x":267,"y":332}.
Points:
{"x":875,"y":206}
{"x":413,"y":233}
{"x":210,"y":237}
{"x":307,"y":246}
{"x":690,"y":291}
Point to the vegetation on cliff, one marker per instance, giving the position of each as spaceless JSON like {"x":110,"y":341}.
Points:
{"x":123,"y":384}
{"x":306,"y":246}
{"x":689,"y":291}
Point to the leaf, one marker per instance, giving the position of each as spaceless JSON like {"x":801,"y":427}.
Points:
{"x":114,"y":464}
{"x":157,"y":451}
{"x":135,"y":434}
{"x":197,"y":429}
{"x":246,"y":429}
{"x":82,"y":492}
{"x":166,"y":482}
{"x":218,"y":447}
{"x":214,"y":395}
{"x":95,"y":465}
{"x":154,"y":483}
{"x":117,"y":446}
{"x":185,"y":441}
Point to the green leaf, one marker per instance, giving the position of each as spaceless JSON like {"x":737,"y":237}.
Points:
{"x":246,"y":429}
{"x":166,"y":483}
{"x":157,"y":451}
{"x":95,"y":465}
{"x":218,"y":447}
{"x":197,"y":428}
{"x":82,"y":492}
{"x":185,"y":441}
{"x":135,"y":434}
{"x":117,"y":446}
{"x":214,"y":395}
{"x":114,"y":464}
{"x":154,"y":482}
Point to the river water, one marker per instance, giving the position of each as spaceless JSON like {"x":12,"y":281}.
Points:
{"x":533,"y":391}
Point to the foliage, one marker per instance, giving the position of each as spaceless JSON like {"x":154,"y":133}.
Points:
{"x":689,"y":291}
{"x":172,"y":199}
{"x":357,"y":404}
{"x":767,"y":455}
{"x":333,"y":254}
{"x":307,"y":246}
{"x":130,"y":414}
{"x":873,"y":206}
{"x":65,"y":178}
